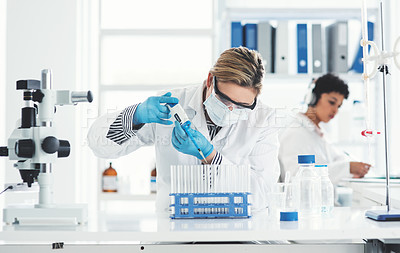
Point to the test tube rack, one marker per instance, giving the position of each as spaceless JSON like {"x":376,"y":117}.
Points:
{"x":210,"y":191}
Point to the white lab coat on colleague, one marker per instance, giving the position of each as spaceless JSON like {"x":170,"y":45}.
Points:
{"x":302,"y":136}
{"x":253,"y":142}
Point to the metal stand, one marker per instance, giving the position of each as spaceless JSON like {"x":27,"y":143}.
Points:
{"x":388,"y":214}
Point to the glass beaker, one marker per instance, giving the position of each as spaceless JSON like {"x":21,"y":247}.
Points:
{"x":276,"y":199}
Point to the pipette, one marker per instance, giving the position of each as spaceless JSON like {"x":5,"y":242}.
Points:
{"x":180,"y":116}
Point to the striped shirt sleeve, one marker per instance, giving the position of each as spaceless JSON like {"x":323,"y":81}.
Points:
{"x":122,"y":129}
{"x":217,"y":160}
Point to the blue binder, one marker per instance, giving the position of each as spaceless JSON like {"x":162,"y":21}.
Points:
{"x":302,"y":63}
{"x":358,"y":64}
{"x":250,"y":36}
{"x":236,"y":34}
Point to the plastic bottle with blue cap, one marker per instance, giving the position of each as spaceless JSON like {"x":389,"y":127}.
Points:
{"x":327,"y":191}
{"x":308,"y":184}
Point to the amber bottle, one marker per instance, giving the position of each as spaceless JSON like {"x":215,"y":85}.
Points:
{"x":110,"y":180}
{"x":153,"y":175}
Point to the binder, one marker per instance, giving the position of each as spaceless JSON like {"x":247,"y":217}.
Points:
{"x":266,"y":45}
{"x":337,"y":47}
{"x":358,"y":64}
{"x":317,"y":61}
{"x":236,"y":34}
{"x":302,"y":48}
{"x":250,"y":36}
{"x":282,"y":48}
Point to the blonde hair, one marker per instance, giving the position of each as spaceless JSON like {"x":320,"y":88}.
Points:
{"x":240,"y":65}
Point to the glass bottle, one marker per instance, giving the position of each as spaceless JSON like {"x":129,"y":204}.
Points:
{"x":110,"y":180}
{"x":153,"y":176}
{"x":327,"y":191}
{"x":309,"y":186}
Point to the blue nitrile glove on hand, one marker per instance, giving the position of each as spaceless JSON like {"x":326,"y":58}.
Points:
{"x":182,"y":142}
{"x":152,"y":110}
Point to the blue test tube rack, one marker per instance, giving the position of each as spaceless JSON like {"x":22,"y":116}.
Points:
{"x":201,"y":205}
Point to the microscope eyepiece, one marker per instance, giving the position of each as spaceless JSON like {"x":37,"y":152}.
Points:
{"x":81,"y":96}
{"x":3,"y":151}
{"x":28,"y":85}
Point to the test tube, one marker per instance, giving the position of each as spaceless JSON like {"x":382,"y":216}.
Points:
{"x":172,"y":179}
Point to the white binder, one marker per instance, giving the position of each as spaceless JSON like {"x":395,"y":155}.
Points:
{"x":282,"y":48}
{"x":337,"y":43}
{"x":317,"y":60}
{"x":266,"y":45}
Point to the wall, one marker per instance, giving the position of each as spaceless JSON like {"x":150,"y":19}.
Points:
{"x":392,"y":30}
{"x":3,"y":15}
{"x":42,"y":34}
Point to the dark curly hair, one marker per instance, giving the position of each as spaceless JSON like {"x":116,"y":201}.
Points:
{"x":326,"y":84}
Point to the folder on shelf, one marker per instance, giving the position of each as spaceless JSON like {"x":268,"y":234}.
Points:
{"x":266,"y":45}
{"x":250,"y":36}
{"x":317,"y":61}
{"x":236,"y":34}
{"x":358,"y":64}
{"x":302,"y":48}
{"x":282,"y":47}
{"x":337,"y":42}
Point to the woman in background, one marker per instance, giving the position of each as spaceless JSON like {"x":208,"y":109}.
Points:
{"x":304,"y":135}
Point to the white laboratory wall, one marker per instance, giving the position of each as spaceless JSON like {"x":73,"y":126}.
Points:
{"x":42,"y":34}
{"x":3,"y":15}
{"x":392,"y":33}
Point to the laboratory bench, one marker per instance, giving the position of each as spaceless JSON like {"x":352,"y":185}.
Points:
{"x":372,"y":191}
{"x":345,"y":230}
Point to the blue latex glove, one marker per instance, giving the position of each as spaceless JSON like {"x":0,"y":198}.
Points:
{"x":182,"y":142}
{"x":152,"y":110}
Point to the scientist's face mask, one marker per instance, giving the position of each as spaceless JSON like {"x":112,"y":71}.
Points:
{"x":217,"y":106}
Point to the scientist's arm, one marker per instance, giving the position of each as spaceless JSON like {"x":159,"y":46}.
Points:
{"x":359,"y":169}
{"x":133,"y":118}
{"x":117,"y":134}
{"x":343,"y":167}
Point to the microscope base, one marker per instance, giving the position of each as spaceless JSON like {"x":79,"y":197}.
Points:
{"x":67,"y":215}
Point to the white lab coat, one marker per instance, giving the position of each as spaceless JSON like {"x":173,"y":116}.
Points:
{"x":302,"y":136}
{"x":253,"y":142}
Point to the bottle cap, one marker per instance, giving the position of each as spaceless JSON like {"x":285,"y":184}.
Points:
{"x":322,"y":169}
{"x":306,"y":159}
{"x":289,"y":216}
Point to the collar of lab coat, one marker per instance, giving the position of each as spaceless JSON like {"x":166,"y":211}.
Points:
{"x":195,"y":112}
{"x":306,"y":121}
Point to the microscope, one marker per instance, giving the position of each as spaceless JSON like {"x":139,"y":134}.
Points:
{"x":34,"y":147}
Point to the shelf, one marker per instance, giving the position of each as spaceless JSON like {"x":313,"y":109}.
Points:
{"x":295,"y":4}
{"x":293,"y":9}
{"x":119,"y":196}
{"x":301,"y":78}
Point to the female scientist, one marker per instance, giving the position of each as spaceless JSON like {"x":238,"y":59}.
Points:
{"x":304,"y":135}
{"x":233,"y":127}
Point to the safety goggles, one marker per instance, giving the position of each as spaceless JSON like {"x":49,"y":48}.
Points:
{"x":228,"y":101}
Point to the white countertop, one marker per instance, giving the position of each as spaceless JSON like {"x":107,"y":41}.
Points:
{"x":343,"y":224}
{"x":375,"y":190}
